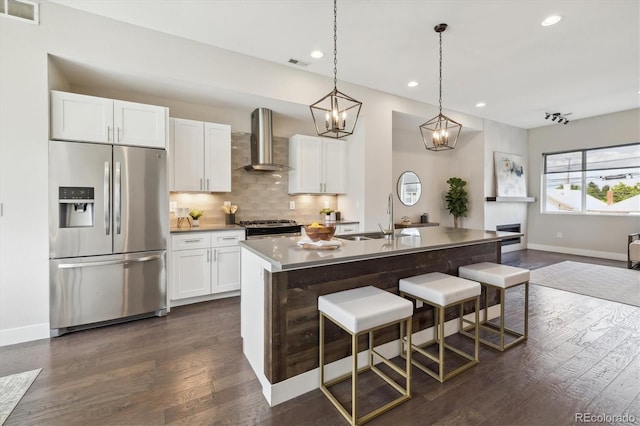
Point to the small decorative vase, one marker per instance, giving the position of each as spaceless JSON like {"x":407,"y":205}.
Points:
{"x":195,"y":222}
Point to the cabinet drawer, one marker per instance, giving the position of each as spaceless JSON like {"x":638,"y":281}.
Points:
{"x":226,"y":238}
{"x":191,"y":240}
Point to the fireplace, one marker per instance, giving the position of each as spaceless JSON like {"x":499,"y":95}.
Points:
{"x":514,"y":227}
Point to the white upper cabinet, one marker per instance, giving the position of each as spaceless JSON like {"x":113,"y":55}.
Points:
{"x":139,"y":124}
{"x":201,"y":156}
{"x":187,"y":146}
{"x":81,"y":118}
{"x":76,"y":117}
{"x":217,"y":157}
{"x":319,"y":165}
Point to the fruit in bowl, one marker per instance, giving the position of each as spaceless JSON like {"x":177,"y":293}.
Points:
{"x":317,"y":231}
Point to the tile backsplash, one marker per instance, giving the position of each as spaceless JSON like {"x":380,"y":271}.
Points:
{"x":258,"y":195}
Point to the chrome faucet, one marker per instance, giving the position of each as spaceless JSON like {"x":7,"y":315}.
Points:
{"x":389,"y":231}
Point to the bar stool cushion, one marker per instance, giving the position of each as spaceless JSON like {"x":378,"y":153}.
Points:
{"x":363,"y":308}
{"x":494,"y":274}
{"x":439,"y":288}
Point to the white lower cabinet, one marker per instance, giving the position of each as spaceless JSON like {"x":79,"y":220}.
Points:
{"x":347,"y":228}
{"x":205,"y":263}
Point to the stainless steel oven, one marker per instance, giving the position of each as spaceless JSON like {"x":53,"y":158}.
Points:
{"x":270,"y":228}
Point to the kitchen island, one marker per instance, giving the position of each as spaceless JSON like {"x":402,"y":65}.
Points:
{"x":281,"y":282}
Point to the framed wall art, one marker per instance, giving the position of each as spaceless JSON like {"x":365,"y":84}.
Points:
{"x":510,"y":175}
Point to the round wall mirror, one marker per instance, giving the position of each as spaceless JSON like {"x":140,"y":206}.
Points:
{"x":409,"y":188}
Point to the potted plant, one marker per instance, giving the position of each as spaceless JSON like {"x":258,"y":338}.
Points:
{"x":457,"y":200}
{"x":195,"y":215}
{"x":327,"y":212}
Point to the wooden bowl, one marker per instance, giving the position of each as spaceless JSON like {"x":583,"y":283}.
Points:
{"x":324,"y":232}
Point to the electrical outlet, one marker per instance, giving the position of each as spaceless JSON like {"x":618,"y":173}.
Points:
{"x":419,"y":304}
{"x":558,"y":234}
{"x":292,"y":205}
{"x":326,"y":204}
{"x":172,"y":206}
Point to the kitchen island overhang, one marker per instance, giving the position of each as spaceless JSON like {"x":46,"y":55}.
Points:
{"x":280,"y":284}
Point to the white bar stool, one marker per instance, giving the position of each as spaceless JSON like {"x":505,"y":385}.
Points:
{"x":359,"y":311}
{"x":441,"y":291}
{"x":501,"y":277}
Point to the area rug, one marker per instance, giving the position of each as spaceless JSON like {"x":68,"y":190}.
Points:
{"x":12,"y":389}
{"x":603,"y":282}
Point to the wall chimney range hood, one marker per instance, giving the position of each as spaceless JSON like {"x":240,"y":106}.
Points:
{"x":262,"y":143}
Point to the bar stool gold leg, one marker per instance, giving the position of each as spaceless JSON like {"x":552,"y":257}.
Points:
{"x":502,"y":300}
{"x":354,"y":379}
{"x":526,"y":309}
{"x":321,"y":349}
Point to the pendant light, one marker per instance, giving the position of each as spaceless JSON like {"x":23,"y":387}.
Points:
{"x":336,"y":114}
{"x":440,"y":132}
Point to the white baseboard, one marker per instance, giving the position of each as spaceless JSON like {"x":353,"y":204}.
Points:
{"x":190,"y":300}
{"x":579,"y":252}
{"x":13,"y":336}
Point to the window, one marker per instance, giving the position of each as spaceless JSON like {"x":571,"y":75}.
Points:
{"x":593,"y":181}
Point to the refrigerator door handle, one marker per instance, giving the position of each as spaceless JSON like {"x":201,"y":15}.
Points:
{"x":108,"y":262}
{"x":107,"y":192}
{"x":116,"y":196}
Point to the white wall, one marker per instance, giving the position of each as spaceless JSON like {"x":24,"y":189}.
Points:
{"x":603,"y":236}
{"x":502,"y":138}
{"x":433,"y":169}
{"x":106,"y":44}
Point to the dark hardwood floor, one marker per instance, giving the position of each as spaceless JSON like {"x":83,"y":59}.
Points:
{"x":582,"y":356}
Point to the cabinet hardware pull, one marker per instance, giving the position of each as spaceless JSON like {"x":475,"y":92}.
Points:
{"x":207,"y":184}
{"x":192,"y":241}
{"x":108,"y":133}
{"x":201,"y":184}
{"x":215,"y":257}
{"x":229,"y":238}
{"x":207,"y":255}
{"x":118,"y":133}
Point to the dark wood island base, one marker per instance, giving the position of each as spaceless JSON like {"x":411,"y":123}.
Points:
{"x":291,"y":304}
{"x":283,"y":347}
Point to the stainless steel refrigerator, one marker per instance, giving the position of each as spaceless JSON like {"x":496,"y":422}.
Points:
{"x":107,"y":234}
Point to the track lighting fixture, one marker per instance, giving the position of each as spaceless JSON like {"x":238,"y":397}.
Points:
{"x":561,"y":118}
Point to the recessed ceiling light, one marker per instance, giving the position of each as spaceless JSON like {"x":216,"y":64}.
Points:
{"x":317,"y":54}
{"x":551,"y":20}
{"x":412,"y":83}
{"x":480,"y":104}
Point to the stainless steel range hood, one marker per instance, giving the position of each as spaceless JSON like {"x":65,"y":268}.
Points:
{"x":262,"y":143}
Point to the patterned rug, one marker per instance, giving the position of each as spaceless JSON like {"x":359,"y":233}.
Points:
{"x":604,"y":282}
{"x":12,"y":389}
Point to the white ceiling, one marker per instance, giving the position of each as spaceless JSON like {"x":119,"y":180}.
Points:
{"x":495,"y":51}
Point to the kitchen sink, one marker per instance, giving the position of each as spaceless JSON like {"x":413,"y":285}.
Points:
{"x":361,"y":236}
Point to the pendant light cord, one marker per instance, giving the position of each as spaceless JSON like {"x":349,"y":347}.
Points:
{"x":440,"y":99}
{"x":335,"y":44}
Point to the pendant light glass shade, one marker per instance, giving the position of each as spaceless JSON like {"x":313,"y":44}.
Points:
{"x":336,"y":114}
{"x":440,"y":132}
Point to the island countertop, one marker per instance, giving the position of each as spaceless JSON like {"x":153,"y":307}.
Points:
{"x":285,"y":253}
